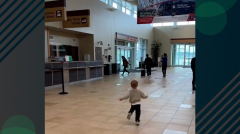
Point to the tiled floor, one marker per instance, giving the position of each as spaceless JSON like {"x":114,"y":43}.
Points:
{"x":93,"y":107}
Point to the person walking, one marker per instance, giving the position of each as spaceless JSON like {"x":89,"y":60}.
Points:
{"x":125,"y":65}
{"x":135,"y":95}
{"x":164,"y":64}
{"x":194,"y":76}
{"x":148,"y":63}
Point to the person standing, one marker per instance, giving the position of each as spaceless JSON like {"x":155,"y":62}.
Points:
{"x":194,"y":75}
{"x":148,"y":63}
{"x":125,"y":65}
{"x":164,"y":64}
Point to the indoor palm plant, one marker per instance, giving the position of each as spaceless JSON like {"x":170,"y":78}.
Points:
{"x":155,"y":52}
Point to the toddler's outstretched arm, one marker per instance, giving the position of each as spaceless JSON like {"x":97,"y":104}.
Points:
{"x":143,"y":95}
{"x":124,"y":98}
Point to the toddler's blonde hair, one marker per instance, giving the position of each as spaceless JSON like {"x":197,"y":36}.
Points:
{"x":134,"y":84}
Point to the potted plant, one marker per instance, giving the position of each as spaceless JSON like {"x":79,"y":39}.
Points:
{"x":155,"y":52}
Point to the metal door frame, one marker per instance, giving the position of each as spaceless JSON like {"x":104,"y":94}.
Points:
{"x":184,"y":64}
{"x":185,"y":53}
{"x":124,"y":48}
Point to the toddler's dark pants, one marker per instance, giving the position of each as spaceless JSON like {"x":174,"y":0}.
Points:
{"x":137,"y":109}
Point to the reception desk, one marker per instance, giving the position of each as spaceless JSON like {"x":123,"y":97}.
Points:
{"x":75,"y":71}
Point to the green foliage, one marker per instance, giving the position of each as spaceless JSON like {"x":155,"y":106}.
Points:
{"x":156,"y":50}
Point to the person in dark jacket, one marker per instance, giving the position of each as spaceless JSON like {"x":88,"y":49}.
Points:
{"x":125,"y":65}
{"x":194,"y":74}
{"x":164,"y":64}
{"x":148,"y":63}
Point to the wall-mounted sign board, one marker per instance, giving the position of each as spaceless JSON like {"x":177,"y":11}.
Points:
{"x":55,"y":11}
{"x":183,"y":40}
{"x":77,"y":18}
{"x":120,"y":36}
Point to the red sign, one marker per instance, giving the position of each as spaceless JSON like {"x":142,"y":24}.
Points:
{"x":145,"y":20}
{"x":191,"y":17}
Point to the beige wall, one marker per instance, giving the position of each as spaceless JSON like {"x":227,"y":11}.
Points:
{"x":64,"y":38}
{"x":105,"y":23}
{"x":86,"y":46}
{"x":165,"y":34}
{"x":83,"y":42}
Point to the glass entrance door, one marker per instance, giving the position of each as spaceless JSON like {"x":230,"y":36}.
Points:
{"x":178,"y":54}
{"x":189,"y":54}
{"x":182,"y":54}
{"x":126,"y":52}
{"x":121,"y":62}
{"x":128,"y":55}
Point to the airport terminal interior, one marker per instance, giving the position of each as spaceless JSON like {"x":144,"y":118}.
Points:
{"x":84,"y":65}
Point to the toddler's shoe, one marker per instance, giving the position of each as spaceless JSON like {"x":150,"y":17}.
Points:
{"x":129,"y":116}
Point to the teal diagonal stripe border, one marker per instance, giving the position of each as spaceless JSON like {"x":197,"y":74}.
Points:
{"x":220,"y":109}
{"x":9,"y":7}
{"x":42,"y":19}
{"x":3,"y":4}
{"x":22,"y":20}
{"x":27,"y":18}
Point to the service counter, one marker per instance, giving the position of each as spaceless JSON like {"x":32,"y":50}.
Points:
{"x":75,"y":71}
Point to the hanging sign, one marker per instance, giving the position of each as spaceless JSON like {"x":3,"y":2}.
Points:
{"x":159,"y":11}
{"x":77,"y":18}
{"x":55,"y":11}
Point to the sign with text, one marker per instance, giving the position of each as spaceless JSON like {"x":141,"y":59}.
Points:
{"x":55,"y":11}
{"x":120,"y":36}
{"x":78,"y":18}
{"x":159,"y":11}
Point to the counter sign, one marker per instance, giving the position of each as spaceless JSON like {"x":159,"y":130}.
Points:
{"x":55,"y":11}
{"x":78,"y":18}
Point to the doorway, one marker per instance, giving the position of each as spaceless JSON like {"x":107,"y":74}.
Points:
{"x":182,"y":54}
{"x":127,"y":52}
{"x":189,"y":54}
{"x":98,"y":53}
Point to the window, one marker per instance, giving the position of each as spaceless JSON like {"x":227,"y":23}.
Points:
{"x":182,"y":54}
{"x":128,"y":12}
{"x":134,"y":9}
{"x":135,"y":15}
{"x":123,"y":9}
{"x":141,"y":51}
{"x":157,"y":24}
{"x":191,"y":22}
{"x":115,"y":5}
{"x":128,"y":6}
{"x":105,"y":1}
{"x":118,"y":1}
{"x":186,"y":23}
{"x":123,"y":3}
{"x":139,"y":54}
{"x":182,"y":23}
{"x":123,"y":6}
{"x":168,"y":24}
{"x":172,"y":23}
